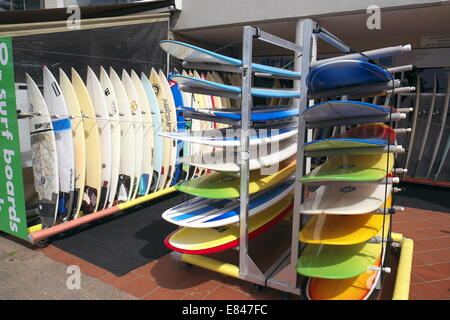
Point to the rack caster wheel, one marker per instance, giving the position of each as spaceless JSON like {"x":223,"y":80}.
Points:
{"x":257,"y":288}
{"x":43,"y":243}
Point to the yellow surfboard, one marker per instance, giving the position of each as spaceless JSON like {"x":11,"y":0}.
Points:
{"x":222,"y":186}
{"x":342,"y":229}
{"x":79,"y":140}
{"x":357,"y":288}
{"x":209,"y":240}
{"x":93,"y":182}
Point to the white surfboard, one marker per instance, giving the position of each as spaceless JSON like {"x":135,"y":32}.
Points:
{"x":44,"y":156}
{"x":93,"y":182}
{"x":56,"y":105}
{"x":172,"y":117}
{"x":165,"y":123}
{"x":231,"y":137}
{"x":104,"y":128}
{"x":157,"y":129}
{"x":127,"y":140}
{"x":79,"y":141}
{"x":228,"y":159}
{"x":136,"y":114}
{"x":113,"y":113}
{"x":148,"y":142}
{"x":346,"y":198}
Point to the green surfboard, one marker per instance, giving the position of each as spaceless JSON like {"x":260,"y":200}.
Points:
{"x":368,"y":167}
{"x":222,"y":186}
{"x":337,"y":262}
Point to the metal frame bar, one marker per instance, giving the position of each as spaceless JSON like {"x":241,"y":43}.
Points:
{"x":247,"y":101}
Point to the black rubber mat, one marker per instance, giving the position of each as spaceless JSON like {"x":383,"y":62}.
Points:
{"x":423,"y":197}
{"x":124,"y":241}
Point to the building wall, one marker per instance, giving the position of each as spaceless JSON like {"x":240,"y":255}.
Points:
{"x":210,"y":13}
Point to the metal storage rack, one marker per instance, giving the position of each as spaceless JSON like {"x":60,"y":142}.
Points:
{"x":281,"y":274}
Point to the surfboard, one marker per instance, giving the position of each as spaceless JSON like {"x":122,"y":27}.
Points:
{"x":258,"y":114}
{"x":209,"y":240}
{"x":44,"y":156}
{"x":148,"y":139}
{"x":190,"y":53}
{"x":127,"y":140}
{"x":363,"y":136}
{"x":346,"y":198}
{"x":157,"y":130}
{"x":371,"y":167}
{"x":225,"y":102}
{"x":221,"y":89}
{"x":223,"y":186}
{"x":181,"y":127}
{"x":187,"y":101}
{"x":206,"y":125}
{"x":195,"y":101}
{"x":172,"y":118}
{"x":166,"y":126}
{"x":231,"y":137}
{"x":424,"y":134}
{"x":225,"y":160}
{"x":114,"y":120}
{"x":56,"y":105}
{"x":136,"y":115}
{"x":444,"y":157}
{"x":344,"y":110}
{"x":339,"y":262}
{"x":79,"y":141}
{"x":414,"y":123}
{"x":342,"y":229}
{"x":207,"y":213}
{"x":104,"y":128}
{"x":357,"y":288}
{"x":345,"y":73}
{"x":93,"y":182}
{"x":437,"y":142}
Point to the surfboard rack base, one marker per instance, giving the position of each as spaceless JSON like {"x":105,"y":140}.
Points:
{"x":40,"y":234}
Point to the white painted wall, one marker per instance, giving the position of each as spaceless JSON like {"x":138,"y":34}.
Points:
{"x":211,"y":13}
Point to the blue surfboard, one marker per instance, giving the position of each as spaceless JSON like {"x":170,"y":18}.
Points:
{"x":341,"y":110}
{"x":258,"y":114}
{"x":219,"y":87}
{"x":181,"y":127}
{"x":190,"y":53}
{"x":208,"y":213}
{"x":345,"y":73}
{"x":157,"y":128}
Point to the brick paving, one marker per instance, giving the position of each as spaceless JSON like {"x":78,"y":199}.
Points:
{"x":30,"y":273}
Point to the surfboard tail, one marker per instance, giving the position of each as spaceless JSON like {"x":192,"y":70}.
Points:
{"x":143,"y":184}
{"x":89,"y":200}
{"x":47,"y":209}
{"x":123,"y":188}
{"x":103,"y":195}
{"x":65,"y":204}
{"x":75,"y":199}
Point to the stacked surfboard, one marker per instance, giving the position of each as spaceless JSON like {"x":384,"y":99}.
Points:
{"x":209,"y":222}
{"x":343,"y":252}
{"x":96,"y":143}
